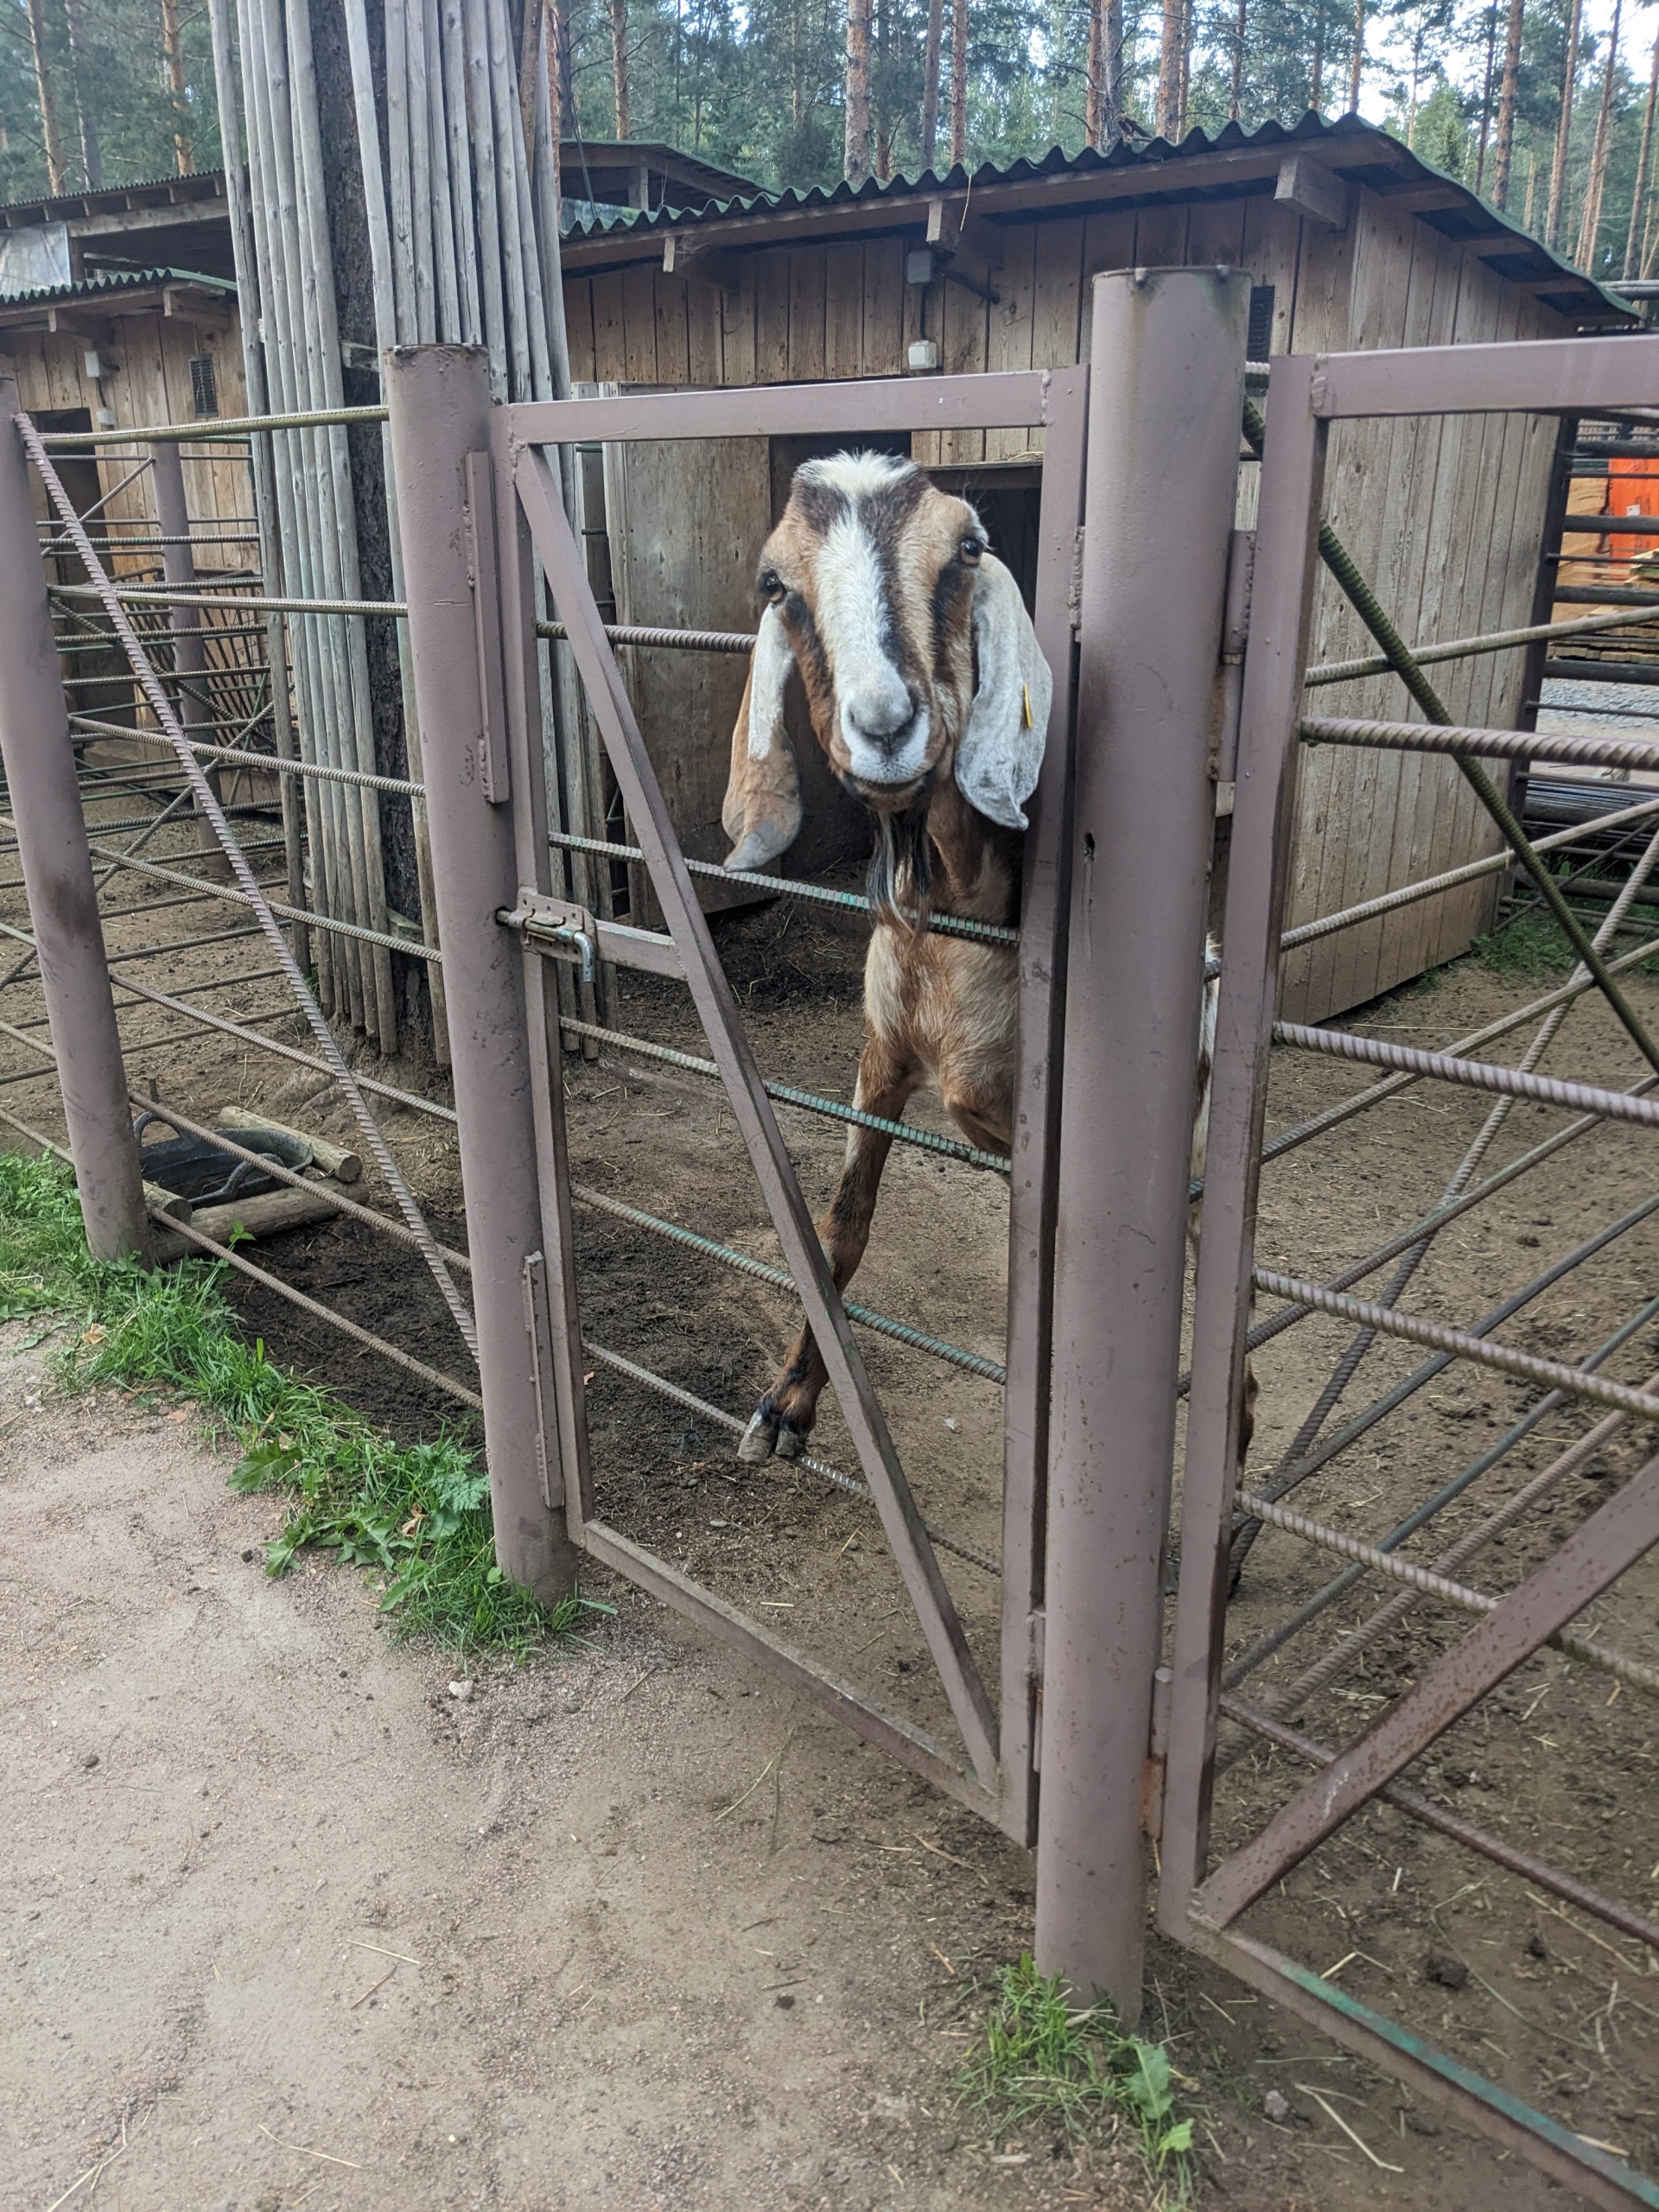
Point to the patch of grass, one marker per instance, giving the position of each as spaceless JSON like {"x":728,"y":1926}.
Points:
{"x":1044,"y":2058}
{"x":416,"y":1515}
{"x":1531,"y":944}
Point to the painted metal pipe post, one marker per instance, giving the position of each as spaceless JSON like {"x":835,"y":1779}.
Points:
{"x":439,"y":396}
{"x":45,"y":805}
{"x":1167,"y":390}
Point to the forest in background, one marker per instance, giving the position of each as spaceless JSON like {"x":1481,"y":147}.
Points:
{"x":1527,"y":104}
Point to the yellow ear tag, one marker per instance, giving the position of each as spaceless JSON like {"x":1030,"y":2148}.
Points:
{"x":1025,"y":693}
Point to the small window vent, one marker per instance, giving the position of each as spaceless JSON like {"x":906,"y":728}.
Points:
{"x":1259,"y":342}
{"x":204,"y":384}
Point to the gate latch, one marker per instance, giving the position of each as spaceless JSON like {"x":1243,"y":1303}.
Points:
{"x":555,"y":921}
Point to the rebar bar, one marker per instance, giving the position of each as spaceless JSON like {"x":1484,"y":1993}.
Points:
{"x":330,"y":1195}
{"x":1470,"y":1075}
{"x":1468,"y":743}
{"x":1493,"y":641}
{"x":208,"y":805}
{"x":1636,"y":1925}
{"x":228,"y":430}
{"x":986,"y":1561}
{"x":901,"y":1131}
{"x":916,"y":1339}
{"x":1415,"y":1329}
{"x":325,"y":1314}
{"x":145,"y":595}
{"x":785,"y":886}
{"x":634,"y":634}
{"x":267,"y":762}
{"x":1340,"y":563}
{"x":1425,"y":1581}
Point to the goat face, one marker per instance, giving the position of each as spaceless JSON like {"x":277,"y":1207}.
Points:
{"x":917,"y":659}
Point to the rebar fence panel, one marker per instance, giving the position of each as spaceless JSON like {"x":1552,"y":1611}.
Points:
{"x":1235,"y":1819}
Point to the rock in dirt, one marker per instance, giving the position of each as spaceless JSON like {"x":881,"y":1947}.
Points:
{"x":1276,"y":2105}
{"x":91,"y":1759}
{"x":1536,"y":1948}
{"x":1450,"y":1973}
{"x":462,"y":1691}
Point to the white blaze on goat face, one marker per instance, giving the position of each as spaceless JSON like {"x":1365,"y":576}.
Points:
{"x":883,"y":727}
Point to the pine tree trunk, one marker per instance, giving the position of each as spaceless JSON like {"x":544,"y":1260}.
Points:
{"x":1236,"y":92}
{"x":46,"y":91}
{"x":92,"y":160}
{"x":958,"y":82}
{"x":1111,"y":96}
{"x":799,"y":85}
{"x":1316,"y":89}
{"x":1356,"y":64}
{"x":1169,"y":70}
{"x":1644,"y":159}
{"x":1486,"y":96}
{"x":620,"y":68}
{"x":1183,"y":101}
{"x":1563,"y":130}
{"x":857,"y":164}
{"x":1094,"y":91}
{"x":1503,"y":146}
{"x":173,"y":54}
{"x":1590,"y":224}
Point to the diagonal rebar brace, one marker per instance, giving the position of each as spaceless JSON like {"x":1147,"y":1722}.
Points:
{"x":1339,"y":562}
{"x":209,"y":805}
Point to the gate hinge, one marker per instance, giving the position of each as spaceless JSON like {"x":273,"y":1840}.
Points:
{"x":555,"y":921}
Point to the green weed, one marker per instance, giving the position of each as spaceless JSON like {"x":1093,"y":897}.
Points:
{"x":1531,"y":944}
{"x":1044,"y":2058}
{"x":415,"y":1515}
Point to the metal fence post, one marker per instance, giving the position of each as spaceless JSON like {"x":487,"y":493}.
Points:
{"x":1167,"y":393}
{"x":439,"y":396}
{"x":44,"y":800}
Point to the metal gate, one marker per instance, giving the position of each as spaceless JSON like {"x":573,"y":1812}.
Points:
{"x":480,"y":495}
{"x":1203,"y":1901}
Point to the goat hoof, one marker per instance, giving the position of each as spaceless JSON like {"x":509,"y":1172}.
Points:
{"x":790,"y":1443}
{"x":755,"y":1447}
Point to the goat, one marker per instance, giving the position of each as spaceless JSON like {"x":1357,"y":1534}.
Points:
{"x":928,"y":694}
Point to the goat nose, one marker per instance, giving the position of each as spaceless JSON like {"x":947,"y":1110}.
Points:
{"x":879,"y":711}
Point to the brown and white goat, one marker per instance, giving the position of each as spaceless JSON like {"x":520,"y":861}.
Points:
{"x":930,"y":696}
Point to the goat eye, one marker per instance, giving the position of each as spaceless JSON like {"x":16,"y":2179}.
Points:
{"x":771,"y":588}
{"x":971,"y":549}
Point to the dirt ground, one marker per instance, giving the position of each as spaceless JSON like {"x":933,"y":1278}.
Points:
{"x":676,"y":1946}
{"x":288,"y":1921}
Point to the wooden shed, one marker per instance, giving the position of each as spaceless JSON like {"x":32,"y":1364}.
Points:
{"x":1351,"y":241}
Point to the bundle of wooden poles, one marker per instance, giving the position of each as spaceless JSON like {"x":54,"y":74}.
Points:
{"x":461,"y":194}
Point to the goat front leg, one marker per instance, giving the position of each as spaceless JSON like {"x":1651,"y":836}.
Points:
{"x":783,"y":1420}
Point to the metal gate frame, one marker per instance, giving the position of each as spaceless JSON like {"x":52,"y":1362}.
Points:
{"x":481,"y":505}
{"x":1199,"y":1902}
{"x":1116,"y":863}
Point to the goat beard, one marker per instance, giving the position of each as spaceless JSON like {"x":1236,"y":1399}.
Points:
{"x":901,"y":870}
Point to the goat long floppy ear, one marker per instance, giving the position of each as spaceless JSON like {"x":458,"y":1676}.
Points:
{"x":1001,"y":749}
{"x":762,"y":813}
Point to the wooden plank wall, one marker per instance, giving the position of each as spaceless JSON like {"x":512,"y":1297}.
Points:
{"x":1446,"y":518}
{"x":148,"y":382}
